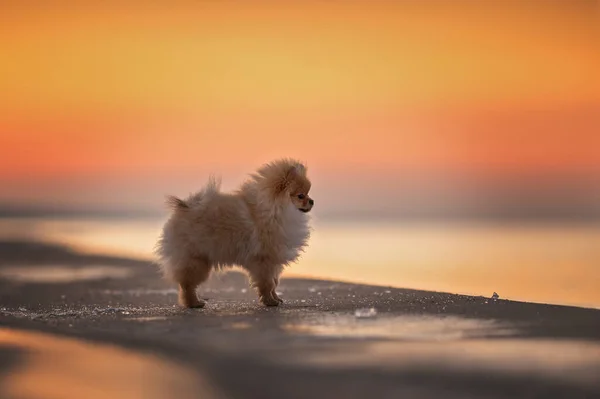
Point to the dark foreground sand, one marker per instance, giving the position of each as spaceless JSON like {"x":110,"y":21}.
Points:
{"x":83,"y":326}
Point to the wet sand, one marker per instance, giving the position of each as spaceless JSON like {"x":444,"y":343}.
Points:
{"x":62,"y":311}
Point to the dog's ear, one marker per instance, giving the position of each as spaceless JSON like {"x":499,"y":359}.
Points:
{"x":297,"y":170}
{"x":292,"y":173}
{"x":286,"y":180}
{"x":288,"y":177}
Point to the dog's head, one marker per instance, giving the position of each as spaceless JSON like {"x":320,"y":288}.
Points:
{"x":286,"y":178}
{"x":298,"y":192}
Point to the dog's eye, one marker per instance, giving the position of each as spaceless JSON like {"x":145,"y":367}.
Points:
{"x":301,"y":196}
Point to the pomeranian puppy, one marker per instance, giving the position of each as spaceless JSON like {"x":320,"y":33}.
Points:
{"x":262,"y":227}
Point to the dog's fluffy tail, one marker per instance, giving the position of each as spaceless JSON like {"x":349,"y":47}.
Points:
{"x":212,"y":187}
{"x":176,"y":204}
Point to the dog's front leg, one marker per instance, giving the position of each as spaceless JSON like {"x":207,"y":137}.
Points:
{"x":274,"y":292}
{"x":264,"y":280}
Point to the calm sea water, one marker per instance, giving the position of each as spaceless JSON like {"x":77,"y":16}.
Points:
{"x":551,"y":263}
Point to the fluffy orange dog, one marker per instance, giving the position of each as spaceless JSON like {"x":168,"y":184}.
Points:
{"x":261,"y":227}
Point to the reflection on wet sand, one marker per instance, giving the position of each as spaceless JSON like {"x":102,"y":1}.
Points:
{"x":413,"y":328}
{"x":62,"y":274}
{"x":448,"y":344}
{"x":575,"y":362}
{"x":64,"y":368}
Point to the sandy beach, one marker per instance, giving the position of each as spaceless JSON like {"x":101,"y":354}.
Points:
{"x":80,"y":325}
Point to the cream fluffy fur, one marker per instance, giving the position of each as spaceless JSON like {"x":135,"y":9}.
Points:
{"x":261,"y":227}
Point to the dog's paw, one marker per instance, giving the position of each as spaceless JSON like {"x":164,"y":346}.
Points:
{"x":195,"y":303}
{"x":277,"y":297}
{"x":269,"y":301}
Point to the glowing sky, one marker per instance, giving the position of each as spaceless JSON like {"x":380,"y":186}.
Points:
{"x":117,"y":104}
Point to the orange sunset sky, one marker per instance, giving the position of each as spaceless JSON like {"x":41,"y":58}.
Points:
{"x":391,"y":104}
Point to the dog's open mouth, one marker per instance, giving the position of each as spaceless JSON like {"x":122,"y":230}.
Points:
{"x":303,"y":210}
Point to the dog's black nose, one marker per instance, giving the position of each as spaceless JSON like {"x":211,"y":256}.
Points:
{"x":311,"y":202}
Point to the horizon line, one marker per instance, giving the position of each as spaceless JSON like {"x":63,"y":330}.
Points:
{"x":493,"y":214}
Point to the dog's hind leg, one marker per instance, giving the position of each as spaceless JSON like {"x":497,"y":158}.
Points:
{"x":189,"y":277}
